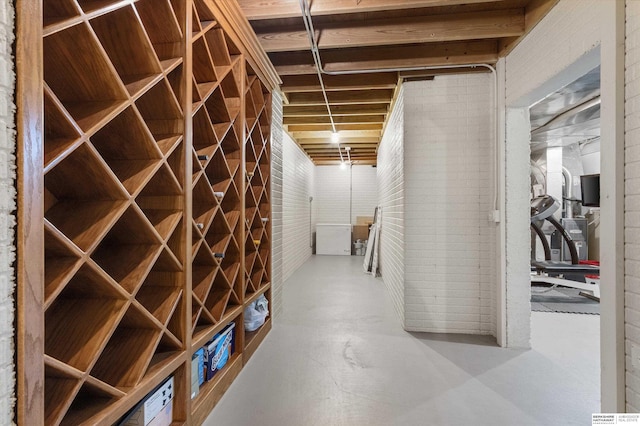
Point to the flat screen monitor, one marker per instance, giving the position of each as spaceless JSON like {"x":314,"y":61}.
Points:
{"x":590,"y":185}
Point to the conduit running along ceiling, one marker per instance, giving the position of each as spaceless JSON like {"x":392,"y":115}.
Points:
{"x":383,"y":36}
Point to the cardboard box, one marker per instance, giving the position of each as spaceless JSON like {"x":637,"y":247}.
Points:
{"x":219,"y":350}
{"x":360,"y":232}
{"x":364,"y":220}
{"x":154,"y":404}
{"x":197,"y":372}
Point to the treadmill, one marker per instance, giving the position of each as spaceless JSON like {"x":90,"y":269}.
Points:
{"x":554,"y":272}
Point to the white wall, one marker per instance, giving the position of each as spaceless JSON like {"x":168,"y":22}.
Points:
{"x":276,"y":204}
{"x":562,"y":47}
{"x":297,"y":187}
{"x":632,"y":200}
{"x":7,"y":217}
{"x":334,"y":200}
{"x":449,"y":241}
{"x":390,"y":182}
{"x":574,"y":37}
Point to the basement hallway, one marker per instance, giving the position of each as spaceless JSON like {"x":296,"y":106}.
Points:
{"x":338,"y":356}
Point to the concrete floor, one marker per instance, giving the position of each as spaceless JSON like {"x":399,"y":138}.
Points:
{"x":338,"y":356}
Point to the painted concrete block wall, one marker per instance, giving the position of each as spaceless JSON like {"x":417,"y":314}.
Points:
{"x":448,"y":183}
{"x":632,"y":200}
{"x":365,"y":191}
{"x":571,"y":29}
{"x":7,"y":217}
{"x":563,"y":46}
{"x":276,"y":204}
{"x":390,"y":183}
{"x":297,"y":187}
{"x":334,"y":200}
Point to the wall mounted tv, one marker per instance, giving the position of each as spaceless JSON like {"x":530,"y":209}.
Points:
{"x":590,"y":185}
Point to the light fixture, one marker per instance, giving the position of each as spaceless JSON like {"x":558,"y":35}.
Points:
{"x":335,"y":137}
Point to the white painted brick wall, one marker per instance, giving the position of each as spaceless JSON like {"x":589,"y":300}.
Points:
{"x":559,"y":49}
{"x":571,"y":29}
{"x":449,"y":241}
{"x":7,"y":217}
{"x":297,"y":187}
{"x":632,"y":198}
{"x":390,"y":182}
{"x":365,"y":191}
{"x":332,"y":201}
{"x":276,"y":204}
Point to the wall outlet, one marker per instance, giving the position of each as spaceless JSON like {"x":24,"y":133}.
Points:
{"x":635,"y":356}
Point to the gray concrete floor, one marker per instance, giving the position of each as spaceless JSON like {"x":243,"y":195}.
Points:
{"x":338,"y":356}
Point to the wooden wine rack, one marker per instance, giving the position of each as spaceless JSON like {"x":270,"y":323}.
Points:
{"x":155,"y":190}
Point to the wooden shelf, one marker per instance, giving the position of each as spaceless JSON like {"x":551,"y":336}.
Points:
{"x":149,"y":220}
{"x":123,"y":38}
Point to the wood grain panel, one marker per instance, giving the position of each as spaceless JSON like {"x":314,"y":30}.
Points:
{"x":437,"y":28}
{"x":30,"y":235}
{"x":270,"y":9}
{"x":387,"y":57}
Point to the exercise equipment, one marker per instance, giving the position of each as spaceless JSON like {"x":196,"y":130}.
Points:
{"x":556,"y":272}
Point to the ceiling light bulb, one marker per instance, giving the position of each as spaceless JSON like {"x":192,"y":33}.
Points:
{"x":335,"y":137}
{"x":343,"y":165}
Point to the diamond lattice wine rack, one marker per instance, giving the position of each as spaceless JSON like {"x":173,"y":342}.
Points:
{"x":156,"y":211}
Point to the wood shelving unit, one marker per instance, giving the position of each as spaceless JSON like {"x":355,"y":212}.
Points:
{"x":154,"y":235}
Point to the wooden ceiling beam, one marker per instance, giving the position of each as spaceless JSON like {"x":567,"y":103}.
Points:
{"x":339,"y":127}
{"x":343,"y":140}
{"x":327,"y":148}
{"x":336,"y":110}
{"x":419,"y":29}
{"x":344,"y":155}
{"x":371,"y":162}
{"x":342,"y":98}
{"x":345,"y":119}
{"x":310,"y":82}
{"x":326,"y":134}
{"x":385,"y":57}
{"x":534,"y":12}
{"x":353,"y":146}
{"x":272,"y":9}
{"x":430,"y":74}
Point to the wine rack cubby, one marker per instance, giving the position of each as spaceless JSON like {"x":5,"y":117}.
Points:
{"x":156,"y":231}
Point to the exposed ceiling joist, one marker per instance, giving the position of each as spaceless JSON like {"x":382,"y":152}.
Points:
{"x":326,"y":134}
{"x":343,"y":140}
{"x":342,"y":98}
{"x":367,"y":38}
{"x":337,"y":110}
{"x":421,"y":29}
{"x":415,"y":55}
{"x":310,"y":147}
{"x":337,"y":162}
{"x":270,"y":9}
{"x":309,"y":83}
{"x":339,"y":127}
{"x":344,"y":119}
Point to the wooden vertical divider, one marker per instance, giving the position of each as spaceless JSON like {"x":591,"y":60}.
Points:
{"x":30,"y":231}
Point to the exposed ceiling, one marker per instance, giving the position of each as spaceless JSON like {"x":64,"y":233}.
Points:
{"x":377,"y":35}
{"x":568,"y":115}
